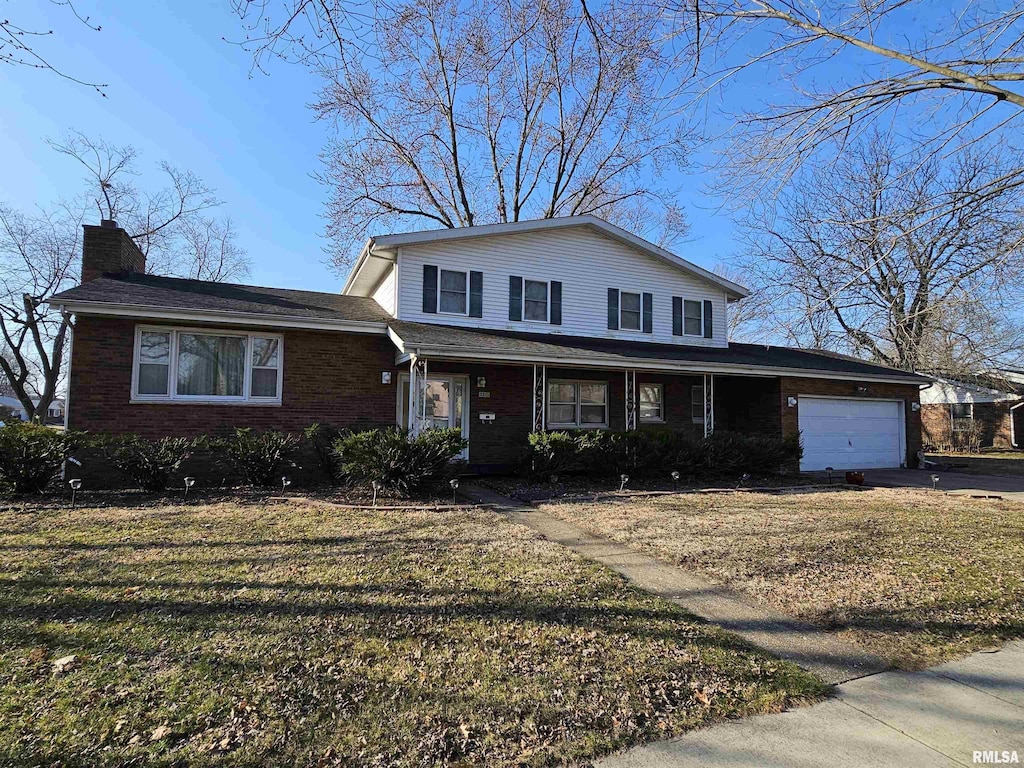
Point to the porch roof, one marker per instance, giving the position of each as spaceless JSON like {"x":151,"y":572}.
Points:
{"x":450,"y":342}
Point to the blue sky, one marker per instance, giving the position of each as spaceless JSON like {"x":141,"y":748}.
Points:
{"x":177,"y":92}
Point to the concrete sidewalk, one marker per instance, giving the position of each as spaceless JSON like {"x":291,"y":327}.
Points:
{"x":823,"y":653}
{"x":939,"y":717}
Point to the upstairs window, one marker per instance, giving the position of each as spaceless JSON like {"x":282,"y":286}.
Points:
{"x":693,"y":318}
{"x":535,"y":300}
{"x":629,"y":311}
{"x":452,"y":292}
{"x":202,"y":365}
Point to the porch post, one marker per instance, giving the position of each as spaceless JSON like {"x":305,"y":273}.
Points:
{"x":709,"y":403}
{"x":540,"y":391}
{"x":417,"y":394}
{"x":630,"y":400}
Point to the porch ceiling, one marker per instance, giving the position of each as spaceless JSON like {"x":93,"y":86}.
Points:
{"x":450,"y":342}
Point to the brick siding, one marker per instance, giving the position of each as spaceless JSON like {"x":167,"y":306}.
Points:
{"x":108,"y":248}
{"x":993,"y":420}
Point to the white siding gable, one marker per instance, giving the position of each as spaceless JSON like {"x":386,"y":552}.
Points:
{"x":385,"y":293}
{"x":586,"y":263}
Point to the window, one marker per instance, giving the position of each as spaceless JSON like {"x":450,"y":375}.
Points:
{"x":692,"y":318}
{"x":629,"y":311}
{"x":697,"y":403}
{"x":452,"y":292}
{"x":651,"y":408}
{"x":200,"y":365}
{"x":577,"y":404}
{"x":535,"y":300}
{"x":961,"y":414}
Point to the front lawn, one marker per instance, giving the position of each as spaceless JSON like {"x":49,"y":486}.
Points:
{"x":256,"y":633}
{"x":989,"y":463}
{"x":914,"y":576}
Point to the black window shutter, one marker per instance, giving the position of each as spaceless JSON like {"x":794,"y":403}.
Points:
{"x":476,"y":294}
{"x":556,"y":303}
{"x":515,"y":298}
{"x":677,"y":316}
{"x":648,"y":312}
{"x":709,"y":328}
{"x":613,"y":309}
{"x":430,"y":289}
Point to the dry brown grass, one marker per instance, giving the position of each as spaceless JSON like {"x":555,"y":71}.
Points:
{"x":915,"y":576}
{"x":253,"y":633}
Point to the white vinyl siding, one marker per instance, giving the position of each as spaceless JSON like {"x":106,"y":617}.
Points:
{"x":585,"y":262}
{"x":386,"y":292}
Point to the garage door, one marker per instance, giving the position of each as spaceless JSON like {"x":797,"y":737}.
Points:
{"x":851,"y":434}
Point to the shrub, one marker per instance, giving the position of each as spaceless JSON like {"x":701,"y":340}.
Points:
{"x":150,"y":463}
{"x":323,"y":437}
{"x":260,"y":457}
{"x":401,"y":465}
{"x":31,"y":455}
{"x":552,"y":453}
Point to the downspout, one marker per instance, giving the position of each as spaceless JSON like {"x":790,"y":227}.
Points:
{"x":1013,"y":436}
{"x":71,"y":352}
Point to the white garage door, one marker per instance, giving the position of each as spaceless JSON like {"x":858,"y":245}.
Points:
{"x":851,"y":434}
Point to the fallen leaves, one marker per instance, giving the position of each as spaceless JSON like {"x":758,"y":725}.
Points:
{"x":64,"y":663}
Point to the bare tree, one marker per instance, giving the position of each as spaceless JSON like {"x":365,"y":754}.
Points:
{"x":453,"y":115}
{"x":40,"y":255}
{"x":855,"y":258}
{"x":854,"y":66}
{"x":20,"y":45}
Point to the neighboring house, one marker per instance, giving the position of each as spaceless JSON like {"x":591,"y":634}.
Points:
{"x":497,"y":330}
{"x":14,"y":405}
{"x":54,"y":414}
{"x":987,"y":412}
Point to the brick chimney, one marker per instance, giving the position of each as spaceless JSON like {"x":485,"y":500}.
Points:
{"x":107,"y":249}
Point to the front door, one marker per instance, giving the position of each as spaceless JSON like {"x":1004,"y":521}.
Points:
{"x":446,"y":404}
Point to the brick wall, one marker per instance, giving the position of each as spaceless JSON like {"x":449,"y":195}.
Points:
{"x":329,"y":377}
{"x":909,"y":393}
{"x":108,"y":248}
{"x":992,"y":420}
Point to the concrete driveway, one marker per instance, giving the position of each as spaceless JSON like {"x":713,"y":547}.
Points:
{"x":1011,"y":488}
{"x":946,"y":716}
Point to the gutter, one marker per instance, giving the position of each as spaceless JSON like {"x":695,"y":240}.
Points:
{"x":221,"y":317}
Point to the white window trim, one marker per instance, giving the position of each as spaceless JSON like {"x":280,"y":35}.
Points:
{"x":640,"y":324}
{"x":697,"y":419}
{"x":172,"y":367}
{"x":661,"y":403}
{"x":547,"y":301}
{"x":465,"y":303}
{"x":579,"y":403}
{"x":700,"y":304}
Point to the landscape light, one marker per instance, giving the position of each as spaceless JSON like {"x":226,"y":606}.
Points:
{"x":935,"y":482}
{"x":285,"y":482}
{"x":189,"y":482}
{"x":675,"y":480}
{"x":454,"y":483}
{"x":624,"y":479}
{"x":75,"y":485}
{"x":829,"y":470}
{"x":376,"y":489}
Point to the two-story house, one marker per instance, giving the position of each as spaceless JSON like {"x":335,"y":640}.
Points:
{"x":497,"y":330}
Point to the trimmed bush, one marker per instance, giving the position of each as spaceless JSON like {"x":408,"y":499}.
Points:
{"x":31,"y":455}
{"x":400,"y":464}
{"x":649,"y":452}
{"x":259,"y":457}
{"x":150,"y":463}
{"x":323,"y":437}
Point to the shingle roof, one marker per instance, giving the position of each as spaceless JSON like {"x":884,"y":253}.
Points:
{"x":199,"y":295}
{"x":547,"y":346}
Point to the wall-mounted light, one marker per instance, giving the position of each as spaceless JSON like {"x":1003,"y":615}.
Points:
{"x":385,"y":377}
{"x":862,"y":389}
{"x":791,"y":401}
{"x":481,"y":382}
{"x":915,"y":406}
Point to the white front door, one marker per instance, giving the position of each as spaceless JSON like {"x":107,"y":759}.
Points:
{"x":446,"y":403}
{"x":848,"y":433}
